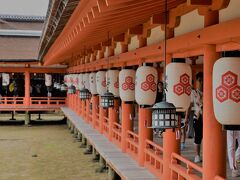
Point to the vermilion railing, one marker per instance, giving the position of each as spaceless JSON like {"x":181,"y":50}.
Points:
{"x":97,"y":121}
{"x":12,"y":101}
{"x":56,"y":101}
{"x":106,"y":126}
{"x":34,"y":101}
{"x":132,"y":144}
{"x":182,"y":168}
{"x":154,"y":158}
{"x":116,"y":133}
{"x":219,"y":178}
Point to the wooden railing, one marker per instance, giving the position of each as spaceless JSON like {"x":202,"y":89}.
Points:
{"x":97,"y":121}
{"x":133,"y":144}
{"x":12,"y":101}
{"x":182,"y":168}
{"x":56,"y":101}
{"x":106,"y":126}
{"x":219,"y":178}
{"x":154,"y":158}
{"x":34,"y":101}
{"x":117,"y":134}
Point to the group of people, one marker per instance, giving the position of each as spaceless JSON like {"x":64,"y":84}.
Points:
{"x":192,"y":124}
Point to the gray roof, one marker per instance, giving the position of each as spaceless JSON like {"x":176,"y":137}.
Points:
{"x":22,"y":18}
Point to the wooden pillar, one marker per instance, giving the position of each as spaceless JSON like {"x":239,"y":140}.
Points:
{"x":87,"y":110}
{"x":214,"y":162}
{"x":102,"y":114}
{"x":144,"y":133}
{"x":95,"y":105}
{"x":127,"y":123}
{"x":27,"y":88}
{"x":83,"y":109}
{"x":170,"y":143}
{"x":78,"y":104}
{"x":112,"y":117}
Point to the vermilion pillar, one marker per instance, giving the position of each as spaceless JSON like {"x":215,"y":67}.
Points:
{"x":170,"y":143}
{"x":27,"y":88}
{"x":87,"y":110}
{"x":214,"y":161}
{"x":113,"y":117}
{"x":144,"y":132}
{"x":127,"y":123}
{"x":95,"y":104}
{"x":102,"y":114}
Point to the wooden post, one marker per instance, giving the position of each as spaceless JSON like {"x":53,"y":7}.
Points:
{"x":170,"y":143}
{"x":112,"y":117}
{"x":102,"y":114}
{"x":87,"y":110}
{"x":27,"y":88}
{"x":127,"y":123}
{"x":95,"y":101}
{"x":214,"y":162}
{"x":144,"y":133}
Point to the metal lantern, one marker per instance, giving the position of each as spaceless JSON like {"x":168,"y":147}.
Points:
{"x":107,"y":100}
{"x":84,"y":94}
{"x":63,"y":87}
{"x":164,"y":116}
{"x":226,"y":90}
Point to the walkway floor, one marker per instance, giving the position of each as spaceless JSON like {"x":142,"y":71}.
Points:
{"x":43,"y":153}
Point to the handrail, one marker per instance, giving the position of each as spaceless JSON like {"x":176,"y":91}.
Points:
{"x":185,"y":171}
{"x":219,"y":178}
{"x":154,"y":157}
{"x":34,"y":101}
{"x":132,"y":144}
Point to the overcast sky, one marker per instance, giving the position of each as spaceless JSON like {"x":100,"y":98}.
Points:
{"x":24,"y":7}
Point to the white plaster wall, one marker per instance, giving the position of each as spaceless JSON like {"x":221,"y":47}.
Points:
{"x":231,"y":12}
{"x":118,"y":49}
{"x":134,"y":44}
{"x":189,"y":22}
{"x":156,"y":36}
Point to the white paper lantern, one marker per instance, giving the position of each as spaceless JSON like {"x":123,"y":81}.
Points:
{"x":146,"y":85}
{"x":101,"y":82}
{"x":112,"y":82}
{"x":48,"y":79}
{"x":86,"y":81}
{"x":92,"y":82}
{"x":65,"y":79}
{"x":80,"y":82}
{"x":5,"y":79}
{"x":127,"y":84}
{"x":75,"y":80}
{"x":179,"y":79}
{"x":226,"y":90}
{"x":71,"y":79}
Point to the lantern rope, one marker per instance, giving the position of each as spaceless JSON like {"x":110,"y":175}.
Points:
{"x":165,"y":53}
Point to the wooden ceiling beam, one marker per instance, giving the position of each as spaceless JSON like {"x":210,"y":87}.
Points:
{"x":199,"y":2}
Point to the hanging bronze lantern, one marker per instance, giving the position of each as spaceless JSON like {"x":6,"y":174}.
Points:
{"x":107,"y":100}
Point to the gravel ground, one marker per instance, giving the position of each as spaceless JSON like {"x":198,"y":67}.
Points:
{"x":43,"y":153}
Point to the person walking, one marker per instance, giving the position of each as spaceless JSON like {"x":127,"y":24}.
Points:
{"x":233,"y":152}
{"x":197,"y":106}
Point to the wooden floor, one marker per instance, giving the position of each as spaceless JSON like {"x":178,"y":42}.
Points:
{"x":122,"y":163}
